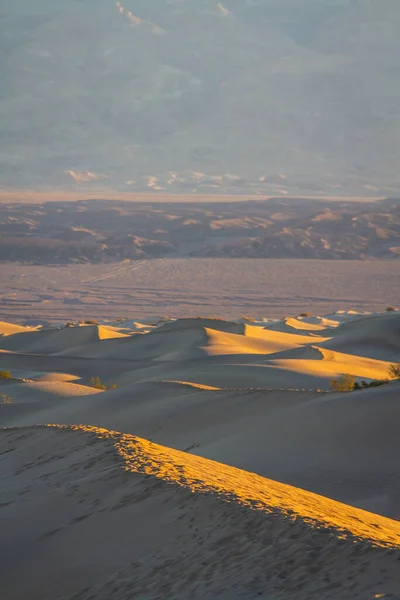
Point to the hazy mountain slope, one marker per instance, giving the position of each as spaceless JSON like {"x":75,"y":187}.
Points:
{"x":174,"y":94}
{"x":100,"y":231}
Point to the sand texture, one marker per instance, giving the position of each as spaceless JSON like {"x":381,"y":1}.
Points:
{"x":221,"y":465}
{"x":114,"y":516}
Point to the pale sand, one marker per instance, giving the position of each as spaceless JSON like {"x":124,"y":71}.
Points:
{"x":343,"y":446}
{"x":12,"y":328}
{"x":56,"y":340}
{"x":246,"y":395}
{"x":39,"y":391}
{"x":105,"y":515}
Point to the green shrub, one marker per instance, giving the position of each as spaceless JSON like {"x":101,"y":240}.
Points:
{"x":6,"y":375}
{"x":370,"y":384}
{"x":348,"y":383}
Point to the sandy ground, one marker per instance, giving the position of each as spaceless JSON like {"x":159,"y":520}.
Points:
{"x":180,"y":287}
{"x":86,"y":513}
{"x":105,"y":515}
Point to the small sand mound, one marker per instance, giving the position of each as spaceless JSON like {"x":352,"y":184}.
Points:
{"x":57,"y":340}
{"x":38,"y":391}
{"x":292,"y":325}
{"x":12,"y":328}
{"x":202,"y":322}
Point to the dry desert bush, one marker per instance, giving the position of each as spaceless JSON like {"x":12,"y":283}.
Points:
{"x":6,"y":375}
{"x":99,"y":385}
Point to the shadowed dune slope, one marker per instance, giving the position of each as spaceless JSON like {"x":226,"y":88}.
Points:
{"x":373,"y":337}
{"x":319,"y":361}
{"x":301,"y":326}
{"x":56,"y":340}
{"x":343,"y":446}
{"x":156,"y":522}
{"x":189,"y":339}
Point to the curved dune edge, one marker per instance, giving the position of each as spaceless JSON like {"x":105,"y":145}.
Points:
{"x":192,"y":384}
{"x":205,"y":476}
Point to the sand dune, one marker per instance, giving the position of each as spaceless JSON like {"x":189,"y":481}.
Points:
{"x":91,"y":513}
{"x":292,"y":325}
{"x":34,"y":375}
{"x":214,"y":352}
{"x":189,"y":339}
{"x":12,"y":328}
{"x":37,"y":391}
{"x":146,"y":521}
{"x":342,"y":446}
{"x":56,"y":340}
{"x":204,"y":322}
{"x":373,"y":337}
{"x":318,"y":361}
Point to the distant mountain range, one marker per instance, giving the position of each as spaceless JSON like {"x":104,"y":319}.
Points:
{"x":270,"y":96}
{"x":98,"y":231}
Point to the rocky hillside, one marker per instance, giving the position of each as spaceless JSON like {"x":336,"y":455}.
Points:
{"x":274,"y":96}
{"x":109,"y":231}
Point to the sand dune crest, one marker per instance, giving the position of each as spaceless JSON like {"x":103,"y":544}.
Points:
{"x":222,"y":529}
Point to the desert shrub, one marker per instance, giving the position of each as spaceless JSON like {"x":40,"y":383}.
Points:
{"x":394,"y":371}
{"x":99,"y":385}
{"x":348,"y":383}
{"x":120,"y":319}
{"x":5,"y":399}
{"x":390,"y":309}
{"x":6,"y":375}
{"x":343,"y":384}
{"x":370,"y":384}
{"x":69,"y":324}
{"x":305,"y":314}
{"x":248,"y":319}
{"x":91,"y":322}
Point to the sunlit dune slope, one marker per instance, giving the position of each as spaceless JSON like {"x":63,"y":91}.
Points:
{"x":292,"y":325}
{"x":156,"y":522}
{"x":42,"y":391}
{"x":36,"y":375}
{"x":205,"y":476}
{"x":255,"y":341}
{"x":319,"y":361}
{"x":10,"y":328}
{"x":345,"y":446}
{"x":56,"y":340}
{"x":187,"y":339}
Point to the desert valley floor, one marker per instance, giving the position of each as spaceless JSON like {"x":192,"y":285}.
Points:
{"x":182,"y":287}
{"x":218,"y":463}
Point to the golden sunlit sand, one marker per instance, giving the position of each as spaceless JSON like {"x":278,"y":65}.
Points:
{"x":115,"y":516}
{"x":211,"y":459}
{"x":230,"y":484}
